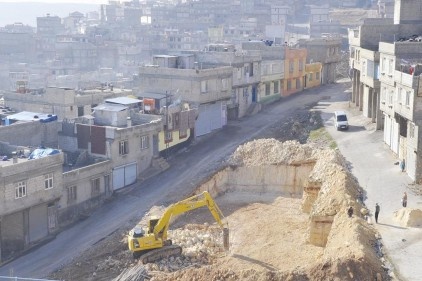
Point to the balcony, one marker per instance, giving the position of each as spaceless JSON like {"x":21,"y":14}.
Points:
{"x":406,"y":79}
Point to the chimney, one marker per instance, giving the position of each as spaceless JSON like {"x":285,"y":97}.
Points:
{"x":129,"y":122}
{"x":15,"y":157}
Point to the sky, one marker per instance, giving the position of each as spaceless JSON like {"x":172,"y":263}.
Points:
{"x":57,"y":1}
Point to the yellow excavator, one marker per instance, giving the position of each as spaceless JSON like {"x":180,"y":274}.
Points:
{"x":151,"y":244}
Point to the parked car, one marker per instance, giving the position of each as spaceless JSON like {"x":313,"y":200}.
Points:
{"x":340,"y":120}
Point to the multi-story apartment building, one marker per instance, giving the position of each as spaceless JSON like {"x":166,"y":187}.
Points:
{"x":272,"y":69}
{"x":209,"y":88}
{"x":246,"y":68}
{"x":394,"y":56}
{"x":325,"y":50}
{"x":294,"y":70}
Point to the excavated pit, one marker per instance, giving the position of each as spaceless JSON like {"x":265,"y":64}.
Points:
{"x":286,"y":208}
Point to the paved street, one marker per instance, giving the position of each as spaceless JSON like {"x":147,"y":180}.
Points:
{"x":372,"y":163}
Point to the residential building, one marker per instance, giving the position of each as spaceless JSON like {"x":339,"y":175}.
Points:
{"x":325,"y":50}
{"x":272,"y":69}
{"x":117,"y":133}
{"x":64,"y":102}
{"x":246,"y":75}
{"x":180,"y":77}
{"x":30,"y":191}
{"x":385,"y":76}
{"x":294,"y":70}
{"x":313,"y":75}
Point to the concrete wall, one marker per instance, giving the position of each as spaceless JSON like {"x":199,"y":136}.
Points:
{"x":186,"y":83}
{"x":32,"y":172}
{"x":286,"y":180}
{"x":85,"y":201}
{"x":31,"y":134}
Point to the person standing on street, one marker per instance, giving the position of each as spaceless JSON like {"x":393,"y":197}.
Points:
{"x":377,"y":211}
{"x":402,"y":165}
{"x":404,"y":200}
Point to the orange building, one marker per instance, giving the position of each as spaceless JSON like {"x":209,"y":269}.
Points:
{"x":294,"y":70}
{"x":313,"y":75}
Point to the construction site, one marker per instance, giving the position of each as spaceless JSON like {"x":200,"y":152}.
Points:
{"x":285,"y":201}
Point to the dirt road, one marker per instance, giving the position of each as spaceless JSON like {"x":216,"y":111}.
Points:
{"x":187,"y":170}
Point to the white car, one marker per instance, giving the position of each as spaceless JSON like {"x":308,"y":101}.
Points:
{"x":340,"y":120}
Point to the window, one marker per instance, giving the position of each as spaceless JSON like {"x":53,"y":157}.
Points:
{"x":300,"y":65}
{"x":390,"y":98}
{"x":384,"y":62}
{"x":144,"y":142}
{"x":412,"y":130}
{"x":95,"y":187}
{"x":289,"y":85}
{"x":364,"y":68}
{"x":399,"y":95}
{"x":390,"y":67}
{"x":239,"y":73}
{"x":298,"y":83}
{"x":123,"y":147}
{"x":20,"y":190}
{"x":204,"y":87}
{"x":276,"y":87}
{"x":80,"y":111}
{"x":250,"y":69}
{"x":310,"y":76}
{"x":407,"y":98}
{"x":183,"y":134}
{"x":267,"y":89}
{"x":71,"y":194}
{"x":224,"y":84}
{"x":317,"y":74}
{"x":383,"y":94}
{"x":48,"y":181}
{"x":291,"y":66}
{"x":169,"y":137}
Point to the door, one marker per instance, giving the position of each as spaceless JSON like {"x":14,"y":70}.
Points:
{"x":254,"y":94}
{"x":395,"y":136}
{"x":124,"y":176}
{"x":52,"y":218}
{"x":38,"y":223}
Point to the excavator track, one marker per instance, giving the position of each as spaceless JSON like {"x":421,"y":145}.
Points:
{"x":160,"y":253}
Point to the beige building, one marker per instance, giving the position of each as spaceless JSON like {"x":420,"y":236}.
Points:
{"x":29,"y":194}
{"x":129,"y":140}
{"x":181,"y":78}
{"x":63,"y":102}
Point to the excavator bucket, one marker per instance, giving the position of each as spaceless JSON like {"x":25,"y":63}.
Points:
{"x":226,"y":238}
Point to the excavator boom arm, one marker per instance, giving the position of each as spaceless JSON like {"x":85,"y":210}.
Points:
{"x":189,"y":204}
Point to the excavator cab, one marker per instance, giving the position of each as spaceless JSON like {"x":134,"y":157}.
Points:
{"x":152,"y":223}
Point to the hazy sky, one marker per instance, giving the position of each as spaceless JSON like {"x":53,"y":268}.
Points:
{"x":58,"y":1}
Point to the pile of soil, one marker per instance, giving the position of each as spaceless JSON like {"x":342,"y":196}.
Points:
{"x":409,"y":217}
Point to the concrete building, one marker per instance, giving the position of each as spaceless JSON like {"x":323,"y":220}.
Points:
{"x":114,"y":132}
{"x":385,"y":77}
{"x":272,"y":69}
{"x":294,"y":70}
{"x":325,"y":50}
{"x":29,"y":194}
{"x":180,"y":77}
{"x":313,"y":75}
{"x":246,"y":68}
{"x":63,"y":102}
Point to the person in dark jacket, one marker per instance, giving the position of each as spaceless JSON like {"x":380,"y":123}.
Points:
{"x":377,"y":211}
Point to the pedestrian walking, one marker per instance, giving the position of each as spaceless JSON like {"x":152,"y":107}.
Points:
{"x":377,"y":211}
{"x":350,"y":211}
{"x":404,"y":200}
{"x":402,"y":165}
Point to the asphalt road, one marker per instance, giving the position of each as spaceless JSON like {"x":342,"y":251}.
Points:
{"x":187,"y":170}
{"x":372,"y":163}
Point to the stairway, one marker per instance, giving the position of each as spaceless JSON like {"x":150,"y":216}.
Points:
{"x":160,"y":164}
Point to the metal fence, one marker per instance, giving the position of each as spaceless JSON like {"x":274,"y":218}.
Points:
{"x":5,"y":278}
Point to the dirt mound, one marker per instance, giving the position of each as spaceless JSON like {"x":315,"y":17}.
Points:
{"x":409,"y":217}
{"x":271,"y":152}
